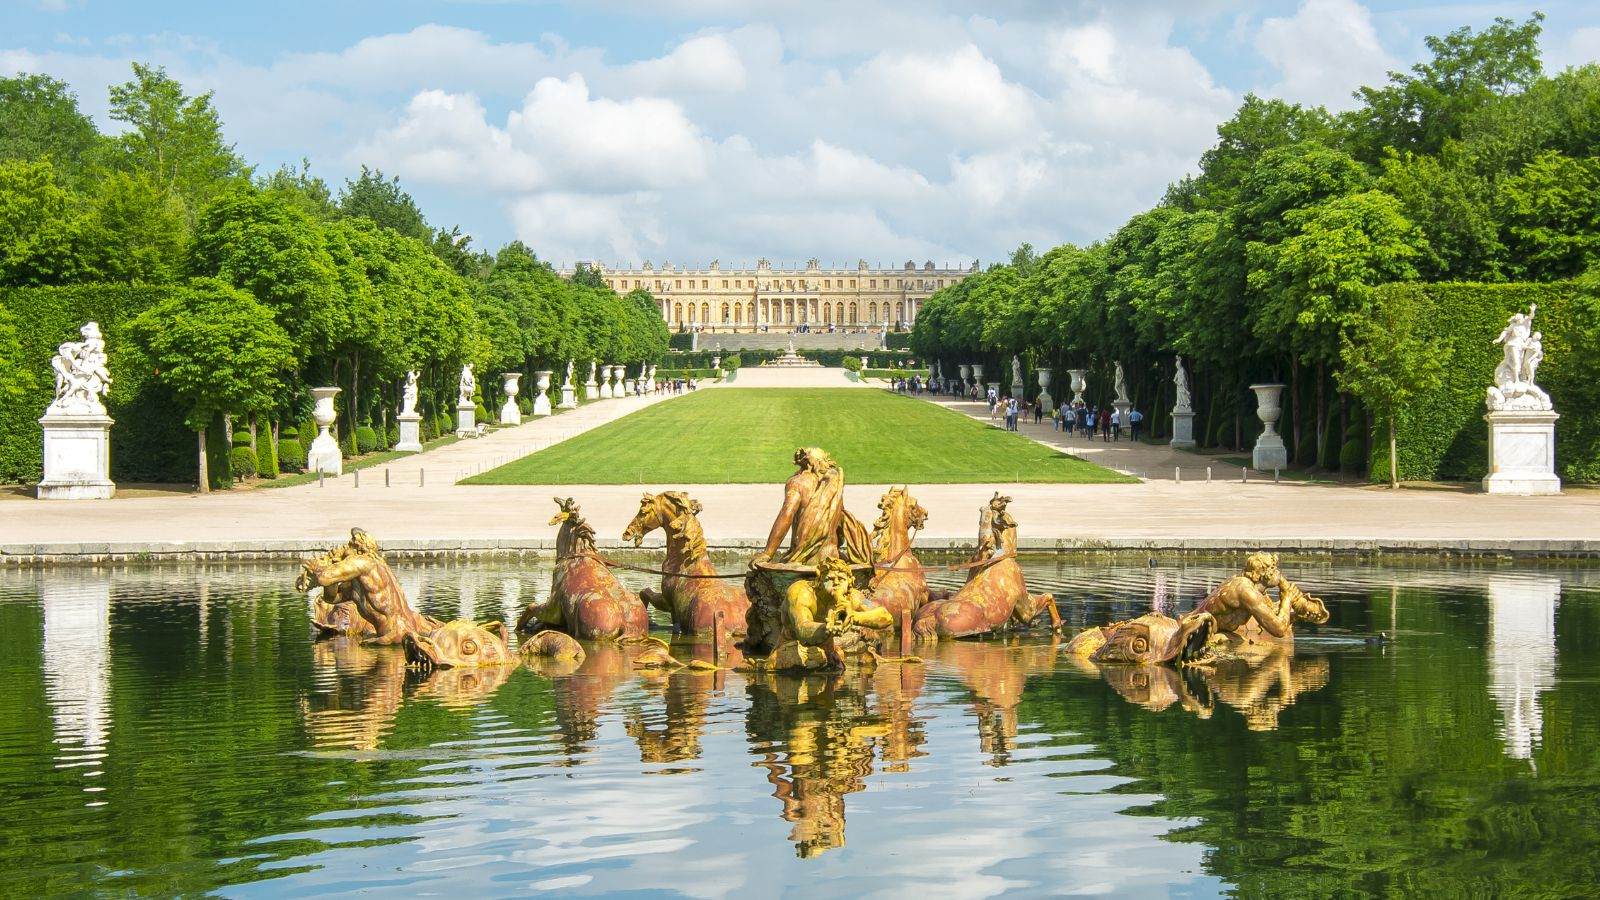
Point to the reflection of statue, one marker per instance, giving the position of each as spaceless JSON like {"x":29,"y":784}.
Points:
{"x":996,"y":591}
{"x":359,"y":575}
{"x":1121,"y":385}
{"x":997,"y":672}
{"x":692,"y":602}
{"x":1514,"y":387}
{"x":818,"y":527}
{"x":81,"y":375}
{"x":408,"y":400}
{"x":467,"y":385}
{"x":586,"y":600}
{"x":1180,"y":382}
{"x":359,"y":690}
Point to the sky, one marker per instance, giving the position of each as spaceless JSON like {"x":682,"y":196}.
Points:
{"x":690,"y":130}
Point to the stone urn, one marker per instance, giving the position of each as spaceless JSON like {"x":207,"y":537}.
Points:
{"x":511,"y":383}
{"x":1269,"y":452}
{"x":541,"y":397}
{"x":977,"y":374}
{"x":324,"y":455}
{"x":1079,"y":384}
{"x":1046,"y":402}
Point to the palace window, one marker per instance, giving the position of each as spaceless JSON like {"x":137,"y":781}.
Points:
{"x":827,"y":282}
{"x":724,"y":282}
{"x":852,"y":282}
{"x":677,"y":283}
{"x":705,"y":284}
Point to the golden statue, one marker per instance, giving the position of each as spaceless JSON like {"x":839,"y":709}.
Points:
{"x":460,"y":644}
{"x":822,"y":619}
{"x":692,"y":602}
{"x":586,"y":600}
{"x":898,"y":585}
{"x":996,"y":591}
{"x":817,"y":527}
{"x":356,"y":574}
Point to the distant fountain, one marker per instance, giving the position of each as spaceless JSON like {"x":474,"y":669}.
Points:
{"x":792,"y":360}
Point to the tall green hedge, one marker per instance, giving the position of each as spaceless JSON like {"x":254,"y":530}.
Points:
{"x":1442,"y":434}
{"x":148,"y":441}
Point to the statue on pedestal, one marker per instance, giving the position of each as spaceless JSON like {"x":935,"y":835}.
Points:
{"x":408,"y":398}
{"x":1514,"y":387}
{"x":81,"y":375}
{"x":1180,"y":382}
{"x":1121,"y":385}
{"x":467,"y":385}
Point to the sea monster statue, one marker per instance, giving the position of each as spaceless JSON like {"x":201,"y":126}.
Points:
{"x":692,"y":598}
{"x":996,"y":591}
{"x":586,"y":600}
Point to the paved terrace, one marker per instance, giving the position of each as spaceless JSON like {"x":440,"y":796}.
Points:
{"x":1158,"y":514}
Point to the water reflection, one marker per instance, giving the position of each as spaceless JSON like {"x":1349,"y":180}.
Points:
{"x":231,"y":754}
{"x":1522,"y":655}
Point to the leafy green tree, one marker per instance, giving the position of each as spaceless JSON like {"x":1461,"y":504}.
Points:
{"x":371,"y":196}
{"x":172,"y":137}
{"x":1551,"y":211}
{"x":137,"y":230}
{"x":1259,"y":126}
{"x":16,"y":380}
{"x":302,"y":188}
{"x":41,"y":119}
{"x":1452,"y":205}
{"x":587,"y":276}
{"x":43,"y":227}
{"x":1386,"y":362}
{"x":456,"y":250}
{"x":219,"y":350}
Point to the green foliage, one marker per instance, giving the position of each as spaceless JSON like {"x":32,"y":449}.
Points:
{"x":219,"y":456}
{"x":366,"y":439}
{"x":852,"y":363}
{"x":42,"y":227}
{"x":1551,"y":211}
{"x":42,"y":119}
{"x":292,"y":455}
{"x":174,"y":139}
{"x":732,"y":362}
{"x":243,"y":463}
{"x":897,"y":340}
{"x":394,"y":435}
{"x":1387,"y":362}
{"x":267,"y":454}
{"x":381,"y":200}
{"x":241,"y":439}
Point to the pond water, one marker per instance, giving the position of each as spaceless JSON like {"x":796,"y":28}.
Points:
{"x":175,"y":730}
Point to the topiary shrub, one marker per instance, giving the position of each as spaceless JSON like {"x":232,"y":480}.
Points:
{"x":241,"y":439}
{"x":366,"y":439}
{"x":1353,"y":454}
{"x":444,"y":424}
{"x":483,"y":414}
{"x":394,"y":435}
{"x":267,"y":458}
{"x":291,"y":456}
{"x":287,"y":432}
{"x":525,"y":406}
{"x":243,"y":461}
{"x":852,"y":363}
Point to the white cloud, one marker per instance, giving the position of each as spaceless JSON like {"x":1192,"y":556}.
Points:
{"x":704,"y":63}
{"x":1323,"y":52}
{"x":963,"y":94}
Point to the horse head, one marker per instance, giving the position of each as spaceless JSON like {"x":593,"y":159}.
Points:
{"x":575,"y":535}
{"x":899,"y":513}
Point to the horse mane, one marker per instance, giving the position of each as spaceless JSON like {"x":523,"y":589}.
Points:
{"x":683,"y":509}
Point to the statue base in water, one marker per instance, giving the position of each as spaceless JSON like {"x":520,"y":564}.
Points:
{"x":410,"y":433}
{"x":77,"y":458}
{"x":1522,"y":452}
{"x":1182,"y":429}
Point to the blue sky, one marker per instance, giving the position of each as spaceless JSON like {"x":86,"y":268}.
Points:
{"x":687,"y":130}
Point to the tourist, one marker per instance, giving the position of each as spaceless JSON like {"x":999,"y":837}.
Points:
{"x":1013,"y":410}
{"x":1135,"y":419}
{"x":1038,"y":410}
{"x":1106,"y":423}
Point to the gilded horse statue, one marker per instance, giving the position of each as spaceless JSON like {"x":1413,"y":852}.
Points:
{"x":898,"y":585}
{"x":996,"y":591}
{"x":360,"y":594}
{"x":692,"y":602}
{"x":586,"y":600}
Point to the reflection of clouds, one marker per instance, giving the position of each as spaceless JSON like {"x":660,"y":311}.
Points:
{"x":1522,"y":655}
{"x":77,"y":665}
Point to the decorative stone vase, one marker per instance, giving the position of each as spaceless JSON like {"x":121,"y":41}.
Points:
{"x":966,"y":374}
{"x":1079,"y":384}
{"x":1522,"y":452}
{"x":541,"y":399}
{"x":324,"y":455}
{"x":616,"y":382}
{"x":1046,"y":402}
{"x":511,"y":383}
{"x":1269,"y":452}
{"x":977,"y":374}
{"x":605,"y":383}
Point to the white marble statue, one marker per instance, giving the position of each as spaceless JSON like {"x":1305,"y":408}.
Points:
{"x":1180,"y":381}
{"x":408,"y":399}
{"x":1121,"y":385}
{"x":568,"y":382}
{"x":1514,"y":387}
{"x":81,"y":375}
{"x":1016,"y":374}
{"x":467,"y":386}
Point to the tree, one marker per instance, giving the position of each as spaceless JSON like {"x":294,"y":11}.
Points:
{"x":137,"y":230}
{"x":42,"y":227}
{"x":303,"y":189}
{"x":173,"y":138}
{"x":456,"y":250}
{"x":1452,"y":205}
{"x":1387,"y":363}
{"x":1259,"y":126}
{"x":219,"y":350}
{"x":1551,"y":211}
{"x":42,"y":119}
{"x":382,"y":200}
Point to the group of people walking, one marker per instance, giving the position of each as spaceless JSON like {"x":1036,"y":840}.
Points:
{"x":1072,"y":418}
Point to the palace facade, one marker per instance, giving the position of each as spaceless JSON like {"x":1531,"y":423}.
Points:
{"x":765,"y":298}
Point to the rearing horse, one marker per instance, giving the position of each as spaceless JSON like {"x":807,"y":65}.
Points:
{"x":901,"y":586}
{"x":693,"y":603}
{"x":586,"y":600}
{"x":995,"y":592}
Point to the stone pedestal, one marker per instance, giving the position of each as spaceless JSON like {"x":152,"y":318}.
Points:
{"x":1123,"y":408}
{"x":77,"y":457}
{"x":1522,"y":452}
{"x":410,"y":433}
{"x":324,"y":455}
{"x":569,"y":397}
{"x":541,"y":396}
{"x":466,"y":419}
{"x":1269,"y":452}
{"x":510,"y":413}
{"x":1182,"y":429}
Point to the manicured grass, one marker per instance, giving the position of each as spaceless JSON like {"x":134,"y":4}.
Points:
{"x":732,"y":435}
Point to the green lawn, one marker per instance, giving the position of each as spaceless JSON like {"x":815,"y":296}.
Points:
{"x":733,"y":435}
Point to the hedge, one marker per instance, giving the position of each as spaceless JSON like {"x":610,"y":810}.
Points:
{"x":1441,"y":434}
{"x":366,"y":439}
{"x":267,"y":455}
{"x":149,"y":441}
{"x":243,"y":462}
{"x":291,"y":455}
